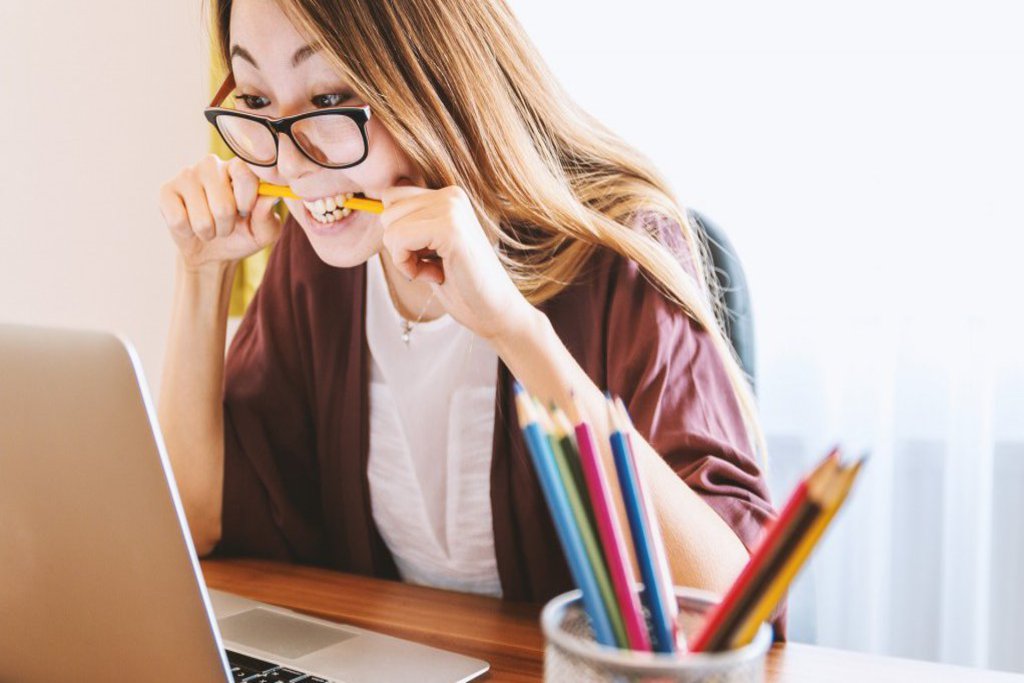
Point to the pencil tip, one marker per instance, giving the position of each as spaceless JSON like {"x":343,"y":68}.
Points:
{"x":620,"y":407}
{"x":573,"y":411}
{"x":614,"y":420}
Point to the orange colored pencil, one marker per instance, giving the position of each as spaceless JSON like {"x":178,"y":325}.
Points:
{"x":833,"y":499}
{"x":355,"y":203}
{"x":724,"y":617}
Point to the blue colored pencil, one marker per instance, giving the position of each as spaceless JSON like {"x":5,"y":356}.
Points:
{"x":565,"y":525}
{"x":655,"y":593}
{"x":659,"y":555}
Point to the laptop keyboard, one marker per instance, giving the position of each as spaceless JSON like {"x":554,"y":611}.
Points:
{"x":252,"y":670}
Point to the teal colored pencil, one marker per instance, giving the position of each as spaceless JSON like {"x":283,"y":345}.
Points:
{"x":587,"y":531}
{"x":561,"y":514}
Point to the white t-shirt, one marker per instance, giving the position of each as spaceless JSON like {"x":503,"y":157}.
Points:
{"x":431,"y":439}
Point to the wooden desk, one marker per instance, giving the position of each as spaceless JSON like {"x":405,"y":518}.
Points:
{"x":508,"y":635}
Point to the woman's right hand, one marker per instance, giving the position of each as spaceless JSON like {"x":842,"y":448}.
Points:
{"x":214,"y":213}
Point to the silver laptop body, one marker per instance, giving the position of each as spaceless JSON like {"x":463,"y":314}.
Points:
{"x":98,"y":577}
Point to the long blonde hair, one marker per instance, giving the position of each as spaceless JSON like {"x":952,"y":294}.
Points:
{"x":466,"y":95}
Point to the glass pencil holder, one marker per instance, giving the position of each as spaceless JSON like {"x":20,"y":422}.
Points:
{"x":571,"y":654}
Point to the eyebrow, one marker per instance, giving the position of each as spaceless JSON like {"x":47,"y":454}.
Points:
{"x":301,"y":55}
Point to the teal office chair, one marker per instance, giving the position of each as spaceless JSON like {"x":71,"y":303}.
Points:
{"x":739,"y":317}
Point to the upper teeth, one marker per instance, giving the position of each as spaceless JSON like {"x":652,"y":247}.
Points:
{"x":330,"y":209}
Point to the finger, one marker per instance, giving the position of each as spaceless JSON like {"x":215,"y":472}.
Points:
{"x":172,"y":208}
{"x":244,"y":185}
{"x":200,"y":219}
{"x":397,"y":193}
{"x":413,"y":210}
{"x":405,"y":238}
{"x":398,"y":201}
{"x":429,"y":271}
{"x":265,"y":224}
{"x":407,"y":241}
{"x":217,"y":186}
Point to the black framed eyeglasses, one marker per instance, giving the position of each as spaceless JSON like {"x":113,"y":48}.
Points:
{"x":332,"y":138}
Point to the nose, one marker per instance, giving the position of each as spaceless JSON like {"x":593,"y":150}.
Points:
{"x":291,"y":162}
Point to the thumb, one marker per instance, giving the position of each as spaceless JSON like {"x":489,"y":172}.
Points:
{"x":264,"y":222}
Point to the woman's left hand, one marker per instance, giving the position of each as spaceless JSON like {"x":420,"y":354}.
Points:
{"x":469,"y":280}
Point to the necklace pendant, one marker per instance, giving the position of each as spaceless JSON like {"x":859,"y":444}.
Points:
{"x":406,"y":329}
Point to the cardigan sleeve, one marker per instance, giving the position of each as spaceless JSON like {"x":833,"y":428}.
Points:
{"x":269,"y":438}
{"x":667,"y":370}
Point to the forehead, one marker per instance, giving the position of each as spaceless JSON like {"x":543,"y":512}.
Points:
{"x":264,"y":34}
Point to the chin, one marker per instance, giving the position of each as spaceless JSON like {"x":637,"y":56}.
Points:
{"x":345,"y":243}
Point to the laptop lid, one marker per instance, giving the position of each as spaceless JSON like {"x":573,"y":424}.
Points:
{"x":98,"y":577}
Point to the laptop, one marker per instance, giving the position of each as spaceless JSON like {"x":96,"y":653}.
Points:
{"x":99,"y":580}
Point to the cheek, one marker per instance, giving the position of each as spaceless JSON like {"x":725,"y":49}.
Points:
{"x":386,"y":162}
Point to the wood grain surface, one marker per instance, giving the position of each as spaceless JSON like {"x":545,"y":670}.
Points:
{"x":508,"y":634}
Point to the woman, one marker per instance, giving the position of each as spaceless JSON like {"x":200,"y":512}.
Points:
{"x":363,"y":419}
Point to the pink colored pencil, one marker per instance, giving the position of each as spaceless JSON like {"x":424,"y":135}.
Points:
{"x":612,"y":539}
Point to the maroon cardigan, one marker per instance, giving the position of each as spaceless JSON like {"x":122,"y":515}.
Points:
{"x":296,"y":417}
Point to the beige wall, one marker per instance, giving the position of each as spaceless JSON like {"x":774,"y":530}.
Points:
{"x":100,"y":102}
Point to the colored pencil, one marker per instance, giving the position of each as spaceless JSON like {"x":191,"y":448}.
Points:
{"x":832,"y":500}
{"x":767,"y":550}
{"x":355,"y":203}
{"x":663,"y":626}
{"x":660,"y":557}
{"x":564,"y":451}
{"x":611,"y":533}
{"x":579,"y":495}
{"x":567,"y":437}
{"x":803,"y":520}
{"x":582,"y":572}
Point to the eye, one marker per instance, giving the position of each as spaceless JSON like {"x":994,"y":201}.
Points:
{"x":252,"y":101}
{"x":332,"y":99}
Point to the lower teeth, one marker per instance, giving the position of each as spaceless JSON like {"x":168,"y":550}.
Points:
{"x":329,"y":217}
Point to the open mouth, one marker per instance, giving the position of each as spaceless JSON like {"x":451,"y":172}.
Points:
{"x":330,"y":209}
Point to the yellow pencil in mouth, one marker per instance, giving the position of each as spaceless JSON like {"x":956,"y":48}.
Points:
{"x":354,"y":203}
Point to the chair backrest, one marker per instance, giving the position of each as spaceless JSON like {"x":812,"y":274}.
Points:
{"x":739,"y":317}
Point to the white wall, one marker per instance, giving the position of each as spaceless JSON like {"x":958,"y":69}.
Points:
{"x":101,"y":102}
{"x":865,"y":133}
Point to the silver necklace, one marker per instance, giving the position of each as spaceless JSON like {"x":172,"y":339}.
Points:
{"x":405,"y":324}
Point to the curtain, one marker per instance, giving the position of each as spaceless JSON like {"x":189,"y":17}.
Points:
{"x":926,"y":561}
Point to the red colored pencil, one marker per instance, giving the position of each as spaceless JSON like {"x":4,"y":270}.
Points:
{"x":766,"y":551}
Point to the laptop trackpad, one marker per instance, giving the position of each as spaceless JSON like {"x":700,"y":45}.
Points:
{"x":279,"y":634}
